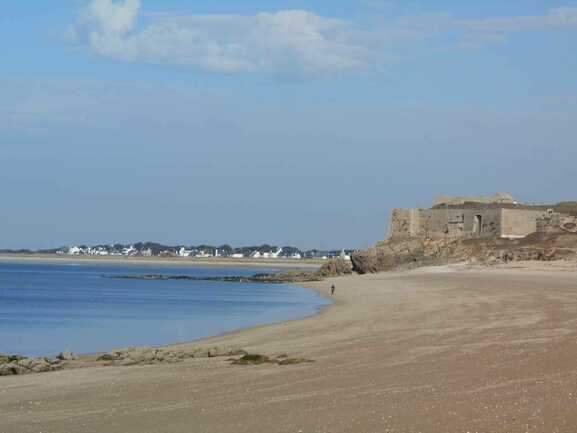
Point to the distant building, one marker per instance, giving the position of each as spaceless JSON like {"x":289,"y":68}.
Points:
{"x":344,"y":256}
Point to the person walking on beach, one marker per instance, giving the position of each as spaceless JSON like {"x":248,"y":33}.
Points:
{"x":332,"y":289}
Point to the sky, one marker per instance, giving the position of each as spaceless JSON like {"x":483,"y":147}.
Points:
{"x":279,"y":121}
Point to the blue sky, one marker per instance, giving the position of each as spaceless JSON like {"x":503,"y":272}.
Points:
{"x":286,"y":122}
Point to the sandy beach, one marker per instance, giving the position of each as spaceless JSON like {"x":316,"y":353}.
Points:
{"x":450,"y":349}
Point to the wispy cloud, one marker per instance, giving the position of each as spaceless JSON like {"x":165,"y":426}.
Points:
{"x":558,"y":18}
{"x":288,"y":42}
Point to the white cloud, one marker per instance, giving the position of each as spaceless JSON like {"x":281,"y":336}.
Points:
{"x":292,"y":41}
{"x":289,"y":42}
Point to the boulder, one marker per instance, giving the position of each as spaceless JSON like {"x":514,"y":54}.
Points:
{"x":106,"y":357}
{"x":6,"y":359}
{"x":335,"y":268}
{"x":28,"y":366}
{"x":67,"y":356}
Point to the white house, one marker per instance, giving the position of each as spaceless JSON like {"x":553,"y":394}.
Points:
{"x":237,"y":256}
{"x":130,"y":251}
{"x":183,"y":252}
{"x":75,"y":251}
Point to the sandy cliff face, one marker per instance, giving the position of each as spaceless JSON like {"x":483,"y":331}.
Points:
{"x":394,"y":254}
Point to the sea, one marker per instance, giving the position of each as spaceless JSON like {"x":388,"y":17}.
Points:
{"x":47,"y":308}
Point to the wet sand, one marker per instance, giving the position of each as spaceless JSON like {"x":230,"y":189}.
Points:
{"x":442,"y":350}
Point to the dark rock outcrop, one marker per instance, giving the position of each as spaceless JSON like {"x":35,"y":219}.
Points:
{"x":335,"y":268}
{"x":272,"y":278}
{"x":257,"y":359}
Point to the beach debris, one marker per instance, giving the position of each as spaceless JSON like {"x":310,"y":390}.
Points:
{"x":258,"y":359}
{"x":294,"y":361}
{"x":252,"y":359}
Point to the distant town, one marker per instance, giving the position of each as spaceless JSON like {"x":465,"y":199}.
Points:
{"x":151,"y":249}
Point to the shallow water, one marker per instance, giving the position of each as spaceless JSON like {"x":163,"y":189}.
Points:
{"x":48,"y":308}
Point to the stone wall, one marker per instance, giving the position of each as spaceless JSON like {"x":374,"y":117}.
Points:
{"x":518,"y":223}
{"x":404,"y":223}
{"x":441,"y":223}
{"x":463,"y":223}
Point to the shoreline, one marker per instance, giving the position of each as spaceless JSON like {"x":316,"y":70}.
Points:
{"x":83,"y":357}
{"x":164,"y":261}
{"x":436,"y":350}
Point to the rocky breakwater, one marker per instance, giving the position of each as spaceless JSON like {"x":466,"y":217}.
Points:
{"x":148,"y":355}
{"x":11,"y":365}
{"x":409,"y":253}
{"x":331,"y":268}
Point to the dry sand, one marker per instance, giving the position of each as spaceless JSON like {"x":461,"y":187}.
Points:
{"x":436,"y":350}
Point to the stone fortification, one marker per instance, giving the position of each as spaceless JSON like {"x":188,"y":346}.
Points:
{"x":467,"y":217}
{"x":494,"y":230}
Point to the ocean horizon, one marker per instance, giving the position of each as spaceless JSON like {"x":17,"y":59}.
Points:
{"x":47,"y":308}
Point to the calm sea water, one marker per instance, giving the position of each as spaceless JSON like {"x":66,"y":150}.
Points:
{"x":48,"y":308}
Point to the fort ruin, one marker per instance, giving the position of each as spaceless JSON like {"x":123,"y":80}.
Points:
{"x":479,"y":217}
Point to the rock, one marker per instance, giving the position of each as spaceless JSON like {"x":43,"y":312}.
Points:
{"x":399,"y":254}
{"x":67,"y":356}
{"x":7,"y":369}
{"x":39,"y":365}
{"x":335,"y":268}
{"x":28,"y":366}
{"x":257,"y":359}
{"x":213,"y":352}
{"x":106,"y":357}
{"x":147,"y":355}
